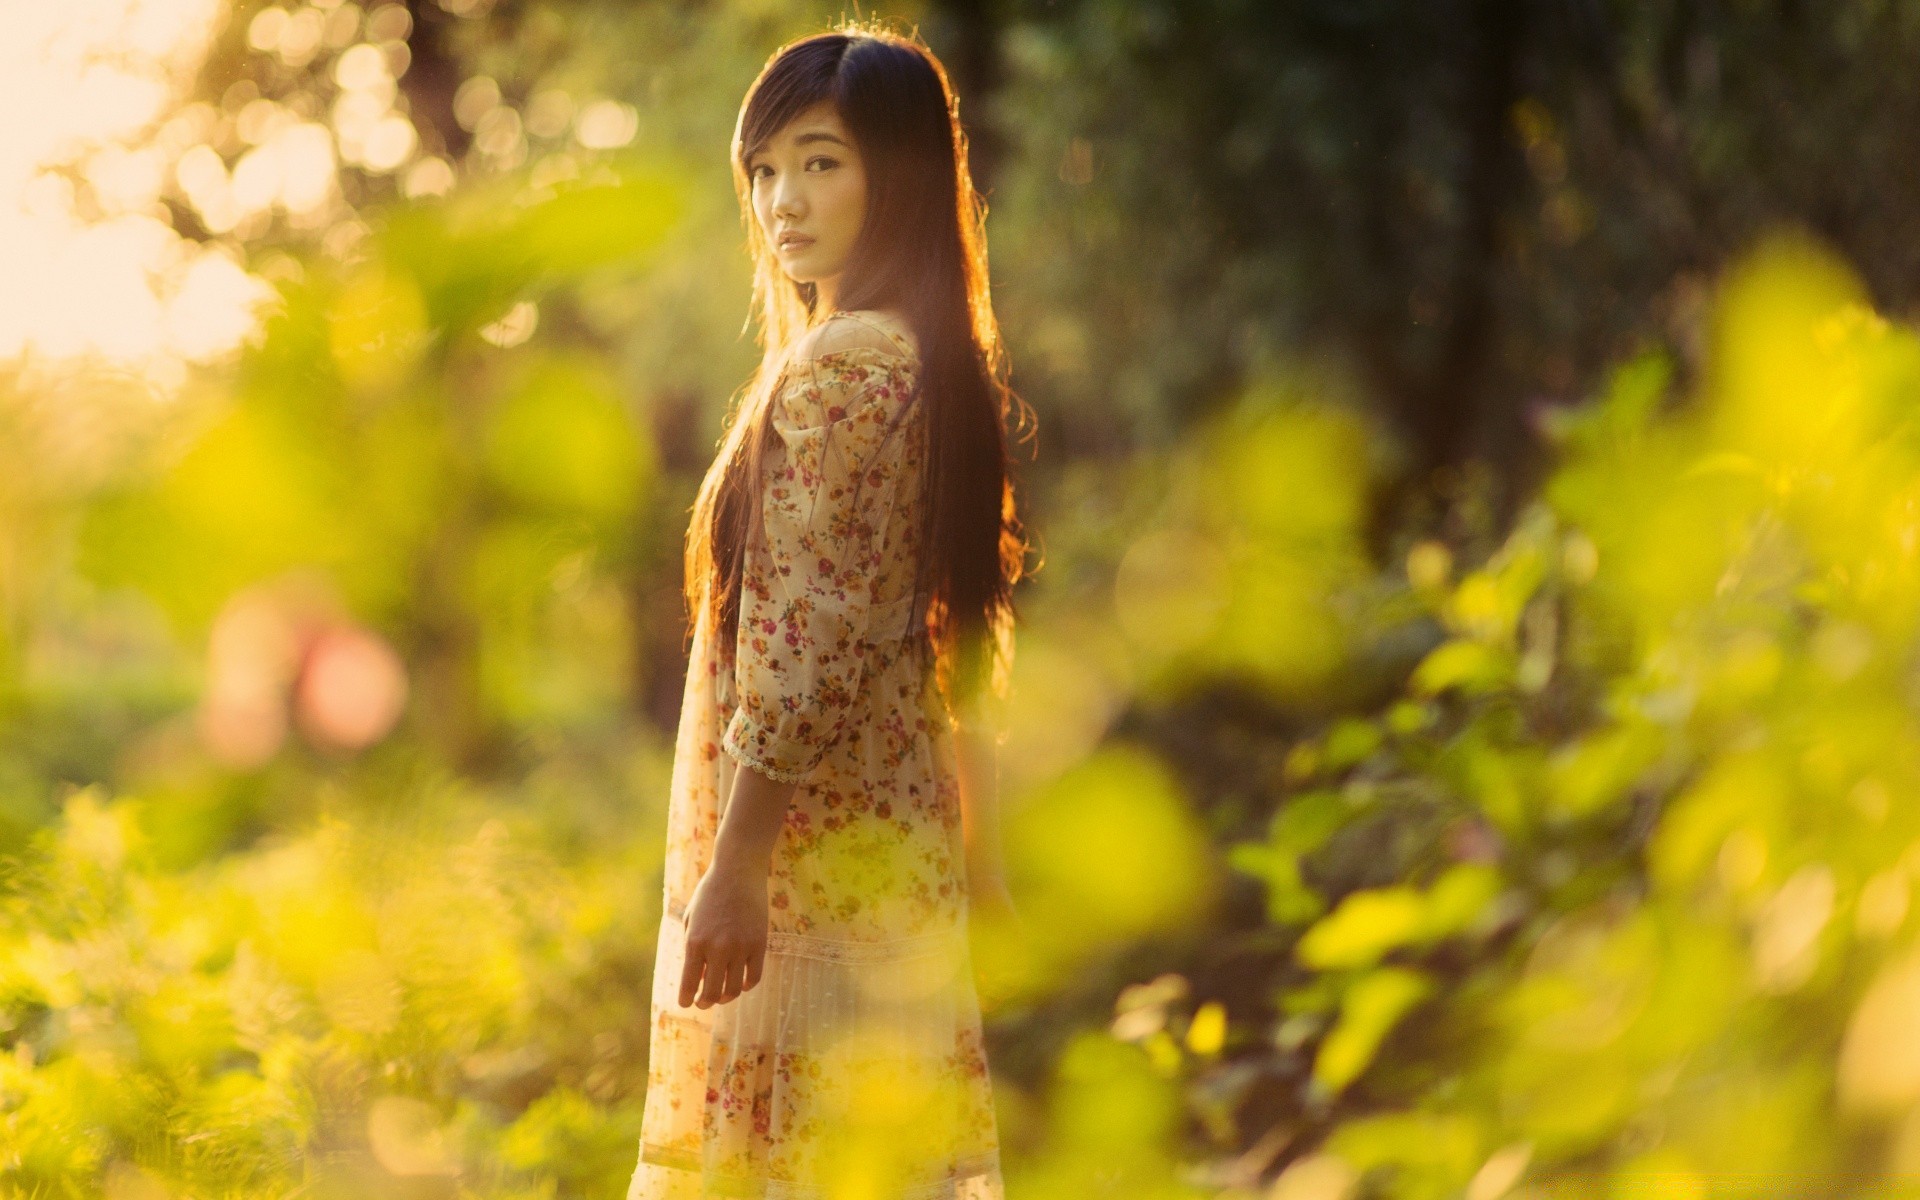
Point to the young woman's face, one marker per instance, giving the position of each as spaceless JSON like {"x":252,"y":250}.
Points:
{"x":810,"y":194}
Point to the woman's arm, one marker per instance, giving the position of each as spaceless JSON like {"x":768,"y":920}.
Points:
{"x":825,"y":497}
{"x":727,"y":913}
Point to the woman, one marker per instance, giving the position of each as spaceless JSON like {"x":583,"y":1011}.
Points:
{"x":815,"y":1024}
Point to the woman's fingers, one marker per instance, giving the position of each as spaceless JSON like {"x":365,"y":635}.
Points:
{"x":714,"y":989}
{"x":690,"y":972}
{"x":745,"y":972}
{"x":725,"y":924}
{"x":718,"y":975}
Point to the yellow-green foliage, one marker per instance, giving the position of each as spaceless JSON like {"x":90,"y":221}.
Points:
{"x":1658,"y":938}
{"x":365,"y":1001}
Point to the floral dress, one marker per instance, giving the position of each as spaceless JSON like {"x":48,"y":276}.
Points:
{"x":855,"y":1065}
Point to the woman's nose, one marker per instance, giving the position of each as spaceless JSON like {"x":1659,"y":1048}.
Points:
{"x":786,"y":198}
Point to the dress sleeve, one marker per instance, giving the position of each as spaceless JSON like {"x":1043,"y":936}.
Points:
{"x":826,"y":494}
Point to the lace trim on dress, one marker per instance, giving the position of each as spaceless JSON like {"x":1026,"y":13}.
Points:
{"x":732,"y":746}
{"x":851,"y":950}
{"x":837,"y":950}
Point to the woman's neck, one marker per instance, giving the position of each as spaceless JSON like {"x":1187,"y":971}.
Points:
{"x":824,"y":293}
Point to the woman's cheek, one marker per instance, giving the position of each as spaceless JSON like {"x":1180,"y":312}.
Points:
{"x":852,"y":203}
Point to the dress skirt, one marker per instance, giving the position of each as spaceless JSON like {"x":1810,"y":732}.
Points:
{"x":847,"y":1070}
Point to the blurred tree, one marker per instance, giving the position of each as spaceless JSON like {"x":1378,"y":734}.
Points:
{"x":1474,"y":205}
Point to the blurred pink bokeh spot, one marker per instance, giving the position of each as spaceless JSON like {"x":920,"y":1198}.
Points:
{"x":351,"y":690}
{"x":283,"y":655}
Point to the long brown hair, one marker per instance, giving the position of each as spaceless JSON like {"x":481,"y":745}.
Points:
{"x":922,"y":252}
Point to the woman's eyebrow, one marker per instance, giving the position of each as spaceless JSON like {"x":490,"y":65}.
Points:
{"x":799,"y":140}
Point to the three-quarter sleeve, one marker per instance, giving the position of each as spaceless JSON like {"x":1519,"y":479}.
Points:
{"x":807,"y":584}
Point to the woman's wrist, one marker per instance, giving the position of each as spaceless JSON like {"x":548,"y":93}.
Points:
{"x":756,"y":809}
{"x":740,"y":858}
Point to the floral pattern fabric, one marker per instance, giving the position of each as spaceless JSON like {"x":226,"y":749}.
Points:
{"x":857,"y":1059}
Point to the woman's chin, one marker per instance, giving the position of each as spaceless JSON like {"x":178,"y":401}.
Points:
{"x":806,"y":271}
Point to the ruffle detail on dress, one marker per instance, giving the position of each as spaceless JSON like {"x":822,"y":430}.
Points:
{"x":743,"y":729}
{"x":847,"y":1060}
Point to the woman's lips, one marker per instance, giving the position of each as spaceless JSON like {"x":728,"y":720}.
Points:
{"x":795,"y":243}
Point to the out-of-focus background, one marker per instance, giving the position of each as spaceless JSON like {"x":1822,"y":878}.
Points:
{"x":1463,"y":741}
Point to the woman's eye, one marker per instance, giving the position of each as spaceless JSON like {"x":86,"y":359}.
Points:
{"x":823,"y":162}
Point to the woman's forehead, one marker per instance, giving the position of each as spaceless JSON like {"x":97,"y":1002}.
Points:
{"x":819,"y":122}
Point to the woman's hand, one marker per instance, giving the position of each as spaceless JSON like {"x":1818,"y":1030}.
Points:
{"x":726,"y":919}
{"x":726,"y":924}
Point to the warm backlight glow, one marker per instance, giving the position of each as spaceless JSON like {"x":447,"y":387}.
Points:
{"x":96,"y":271}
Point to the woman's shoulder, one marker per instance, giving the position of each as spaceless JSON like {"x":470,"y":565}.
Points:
{"x":850,"y":366}
{"x":850,"y":332}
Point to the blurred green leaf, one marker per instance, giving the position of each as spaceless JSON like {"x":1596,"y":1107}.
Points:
{"x":1469,"y":666}
{"x":1374,"y":1004}
{"x":1365,"y":925}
